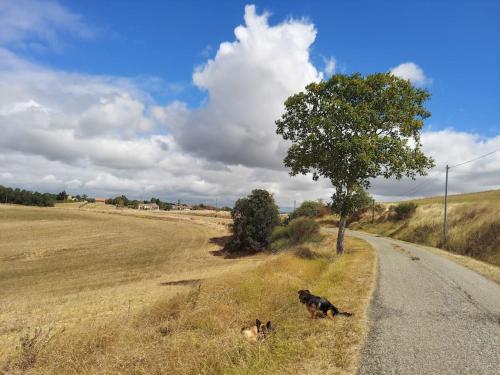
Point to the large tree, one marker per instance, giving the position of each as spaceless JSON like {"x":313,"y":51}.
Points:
{"x":353,"y":128}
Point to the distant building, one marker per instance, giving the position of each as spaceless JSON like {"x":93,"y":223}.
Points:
{"x":100,"y":200}
{"x":148,"y":206}
{"x":181,"y":207}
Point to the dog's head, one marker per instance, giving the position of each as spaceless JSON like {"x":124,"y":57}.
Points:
{"x":263,"y":329}
{"x":257,"y":332}
{"x":304,"y":295}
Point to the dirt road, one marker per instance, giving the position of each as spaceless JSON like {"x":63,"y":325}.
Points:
{"x":429,"y":315}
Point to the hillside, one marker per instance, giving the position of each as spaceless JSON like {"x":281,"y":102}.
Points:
{"x":482,"y":196}
{"x":473,"y":224}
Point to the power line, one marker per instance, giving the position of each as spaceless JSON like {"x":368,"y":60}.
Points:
{"x":416,"y":188}
{"x":413,"y":189}
{"x":470,"y":161}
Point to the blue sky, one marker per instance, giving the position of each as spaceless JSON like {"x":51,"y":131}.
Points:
{"x":178,"y":99}
{"x":456,"y":43}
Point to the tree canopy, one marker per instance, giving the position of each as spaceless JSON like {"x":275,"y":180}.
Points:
{"x":353,"y":128}
{"x":254,"y":218}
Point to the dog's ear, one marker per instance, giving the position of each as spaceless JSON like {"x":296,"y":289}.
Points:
{"x":268,"y":325}
{"x":307,"y":291}
{"x":257,"y":323}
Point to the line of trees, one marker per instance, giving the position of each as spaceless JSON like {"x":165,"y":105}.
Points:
{"x":34,"y":198}
{"x":26,"y":197}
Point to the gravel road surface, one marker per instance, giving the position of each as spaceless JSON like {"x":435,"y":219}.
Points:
{"x":429,"y":315}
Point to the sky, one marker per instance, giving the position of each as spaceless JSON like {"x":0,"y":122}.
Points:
{"x":178,"y":100}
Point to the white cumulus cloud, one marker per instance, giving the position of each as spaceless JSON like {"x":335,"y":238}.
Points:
{"x":411,"y":72}
{"x":247,"y":83}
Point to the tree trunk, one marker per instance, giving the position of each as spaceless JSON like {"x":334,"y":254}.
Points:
{"x":340,"y":235}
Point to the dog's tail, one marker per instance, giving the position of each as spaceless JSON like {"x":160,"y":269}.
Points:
{"x":345,"y":313}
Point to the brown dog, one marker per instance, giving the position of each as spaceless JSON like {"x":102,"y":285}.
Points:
{"x":257,"y":332}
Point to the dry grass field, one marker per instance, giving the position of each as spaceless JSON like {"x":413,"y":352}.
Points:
{"x":85,"y":291}
{"x":482,"y":196}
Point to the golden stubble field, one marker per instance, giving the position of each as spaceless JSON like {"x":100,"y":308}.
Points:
{"x":63,"y":266}
{"x":96,"y":290}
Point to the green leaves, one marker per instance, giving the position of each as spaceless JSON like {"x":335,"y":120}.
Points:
{"x":254,"y":218}
{"x":351,"y":129}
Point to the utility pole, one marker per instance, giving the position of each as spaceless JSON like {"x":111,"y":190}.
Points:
{"x":216,"y":206}
{"x":373,"y":210}
{"x":445,"y":222}
{"x":294,"y":204}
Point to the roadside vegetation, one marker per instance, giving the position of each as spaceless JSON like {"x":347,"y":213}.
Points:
{"x":296,"y":232}
{"x":473,"y":224}
{"x":301,"y":225}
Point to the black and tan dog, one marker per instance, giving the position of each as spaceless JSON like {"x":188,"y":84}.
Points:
{"x":319,"y":306}
{"x":257,"y":332}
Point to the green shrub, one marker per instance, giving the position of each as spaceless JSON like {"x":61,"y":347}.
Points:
{"x":279,"y":232}
{"x":310,"y":209}
{"x":403,"y":210}
{"x":254,"y":218}
{"x":280,"y":244}
{"x":298,"y":231}
{"x":302,"y":230}
{"x":361,"y":202}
